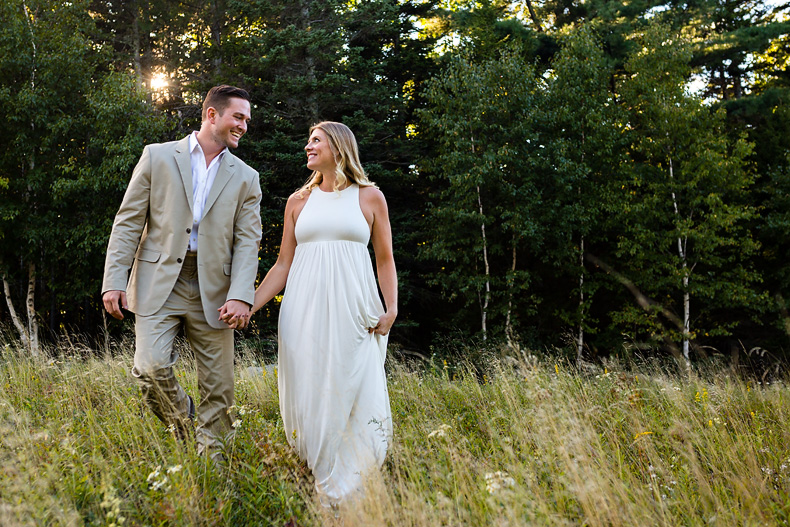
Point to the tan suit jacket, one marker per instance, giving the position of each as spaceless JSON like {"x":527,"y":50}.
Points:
{"x":151,"y":232}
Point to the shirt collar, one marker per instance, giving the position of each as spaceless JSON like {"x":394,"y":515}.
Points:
{"x":193,"y":144}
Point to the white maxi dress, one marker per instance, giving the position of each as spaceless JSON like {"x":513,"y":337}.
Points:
{"x":333,"y":390}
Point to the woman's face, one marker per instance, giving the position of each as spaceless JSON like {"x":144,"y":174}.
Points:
{"x":319,"y":154}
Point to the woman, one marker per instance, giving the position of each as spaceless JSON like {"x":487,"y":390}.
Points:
{"x":333,"y":327}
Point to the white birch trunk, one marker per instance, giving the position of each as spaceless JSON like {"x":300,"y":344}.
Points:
{"x":20,"y":328}
{"x":508,"y":324}
{"x":30,"y":304}
{"x":29,"y":335}
{"x":580,"y":335}
{"x":684,"y":263}
{"x":487,"y":295}
{"x":28,"y":19}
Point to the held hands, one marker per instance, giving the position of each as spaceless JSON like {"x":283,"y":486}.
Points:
{"x":235,"y":314}
{"x":114,"y":301}
{"x":384,"y":324}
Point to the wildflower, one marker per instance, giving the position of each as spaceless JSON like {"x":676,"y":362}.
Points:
{"x":236,"y":423}
{"x":676,"y":388}
{"x":556,"y":369}
{"x":440,"y":432}
{"x":155,"y":474}
{"x":640,"y":434}
{"x":173,"y":469}
{"x":710,"y":422}
{"x":156,"y":485}
{"x":498,"y":480}
{"x":112,"y":505}
{"x":153,"y":480}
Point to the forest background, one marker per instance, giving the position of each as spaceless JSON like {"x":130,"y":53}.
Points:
{"x":596,"y":177}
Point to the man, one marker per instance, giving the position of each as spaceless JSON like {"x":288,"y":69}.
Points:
{"x":189,"y":228}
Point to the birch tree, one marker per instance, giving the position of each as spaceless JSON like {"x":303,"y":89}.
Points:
{"x":73,"y":132}
{"x":685,"y":239}
{"x":582,"y":126}
{"x":485,"y":214}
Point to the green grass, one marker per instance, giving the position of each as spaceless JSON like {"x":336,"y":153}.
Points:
{"x":529,"y":443}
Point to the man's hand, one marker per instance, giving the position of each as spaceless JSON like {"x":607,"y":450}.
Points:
{"x":113,"y":302}
{"x":235,"y":314}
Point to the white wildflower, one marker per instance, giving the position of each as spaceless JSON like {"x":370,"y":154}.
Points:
{"x":498,"y":480}
{"x":236,"y":423}
{"x":440,"y":432}
{"x":155,"y":474}
{"x":156,"y":485}
{"x":174,"y":469}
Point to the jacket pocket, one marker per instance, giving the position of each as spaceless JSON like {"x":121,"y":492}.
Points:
{"x":147,"y":255}
{"x":226,"y":269}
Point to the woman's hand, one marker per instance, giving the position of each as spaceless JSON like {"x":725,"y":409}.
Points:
{"x":235,"y":313}
{"x":384,"y":324}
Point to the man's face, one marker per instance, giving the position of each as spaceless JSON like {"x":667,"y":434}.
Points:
{"x":228,"y":127}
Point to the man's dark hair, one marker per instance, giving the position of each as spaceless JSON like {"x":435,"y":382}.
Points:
{"x":219,"y":98}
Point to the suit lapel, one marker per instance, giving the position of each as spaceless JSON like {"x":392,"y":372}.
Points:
{"x":184,"y":161}
{"x":224,"y":173}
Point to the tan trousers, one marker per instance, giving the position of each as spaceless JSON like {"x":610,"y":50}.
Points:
{"x":155,"y":356}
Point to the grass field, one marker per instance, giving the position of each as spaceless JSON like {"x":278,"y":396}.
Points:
{"x":529,"y":442}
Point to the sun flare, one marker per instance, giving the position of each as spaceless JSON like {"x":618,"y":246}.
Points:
{"x":158,"y":82}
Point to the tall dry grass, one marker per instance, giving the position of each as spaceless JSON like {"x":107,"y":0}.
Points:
{"x":529,"y":442}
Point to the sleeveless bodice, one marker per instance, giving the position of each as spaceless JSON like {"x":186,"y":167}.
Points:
{"x":332,"y":216}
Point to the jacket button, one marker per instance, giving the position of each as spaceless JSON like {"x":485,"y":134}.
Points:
{"x":189,"y":230}
{"x":178,"y":260}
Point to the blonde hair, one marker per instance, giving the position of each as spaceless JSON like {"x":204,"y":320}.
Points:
{"x":343,"y":145}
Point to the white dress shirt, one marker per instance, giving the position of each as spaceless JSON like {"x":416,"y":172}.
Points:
{"x":202,"y":180}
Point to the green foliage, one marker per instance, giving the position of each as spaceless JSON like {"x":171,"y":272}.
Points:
{"x":556,"y":117}
{"x":487,"y":185}
{"x":582,"y":130}
{"x":74,"y":132}
{"x":685,"y":226}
